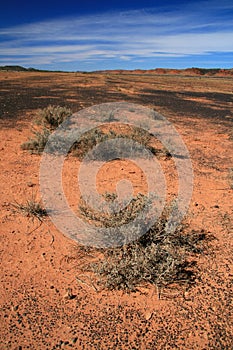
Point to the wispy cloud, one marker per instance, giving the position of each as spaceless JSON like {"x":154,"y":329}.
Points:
{"x":128,"y":36}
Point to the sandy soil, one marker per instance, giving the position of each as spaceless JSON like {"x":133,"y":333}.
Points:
{"x":43,"y":305}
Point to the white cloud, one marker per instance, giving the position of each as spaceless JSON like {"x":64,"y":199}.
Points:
{"x":131,"y":35}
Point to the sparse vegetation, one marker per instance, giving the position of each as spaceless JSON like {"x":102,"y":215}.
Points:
{"x":156,"y":258}
{"x":88,"y":141}
{"x":117,"y":218}
{"x":32,"y":209}
{"x":53,"y":116}
{"x":109,"y":197}
{"x":44,"y":288}
{"x":159,"y":257}
{"x":50,"y":118}
{"x":37,"y":143}
{"x":95,"y":136}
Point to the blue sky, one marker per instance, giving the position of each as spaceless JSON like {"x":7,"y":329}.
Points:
{"x":96,"y":35}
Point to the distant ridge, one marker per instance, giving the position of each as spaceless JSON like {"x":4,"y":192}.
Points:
{"x":16,"y":68}
{"x":159,"y":71}
{"x":169,"y":71}
{"x":22,"y":69}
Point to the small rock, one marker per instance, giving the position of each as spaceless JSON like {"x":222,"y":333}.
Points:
{"x":148,"y":315}
{"x":15,"y":308}
{"x":69,"y":295}
{"x":74,"y":340}
{"x":30,"y":184}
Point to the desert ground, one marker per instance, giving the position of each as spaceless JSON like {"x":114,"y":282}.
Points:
{"x":45,"y":301}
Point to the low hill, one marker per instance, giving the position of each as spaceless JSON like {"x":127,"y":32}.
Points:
{"x":160,"y":71}
{"x":169,"y":71}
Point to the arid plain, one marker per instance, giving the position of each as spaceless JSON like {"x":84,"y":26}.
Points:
{"x":45,"y":302}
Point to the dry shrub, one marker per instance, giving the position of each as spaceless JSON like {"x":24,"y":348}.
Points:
{"x":37,"y":143}
{"x":95,"y":136}
{"x":105,"y":218}
{"x":53,"y":116}
{"x":158,"y":257}
{"x":89,"y":140}
{"x":160,"y":260}
{"x":49,"y":118}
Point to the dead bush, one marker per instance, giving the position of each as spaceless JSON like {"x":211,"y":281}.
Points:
{"x":158,"y":257}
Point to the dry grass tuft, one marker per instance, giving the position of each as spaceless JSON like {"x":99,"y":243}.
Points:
{"x":32,"y":209}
